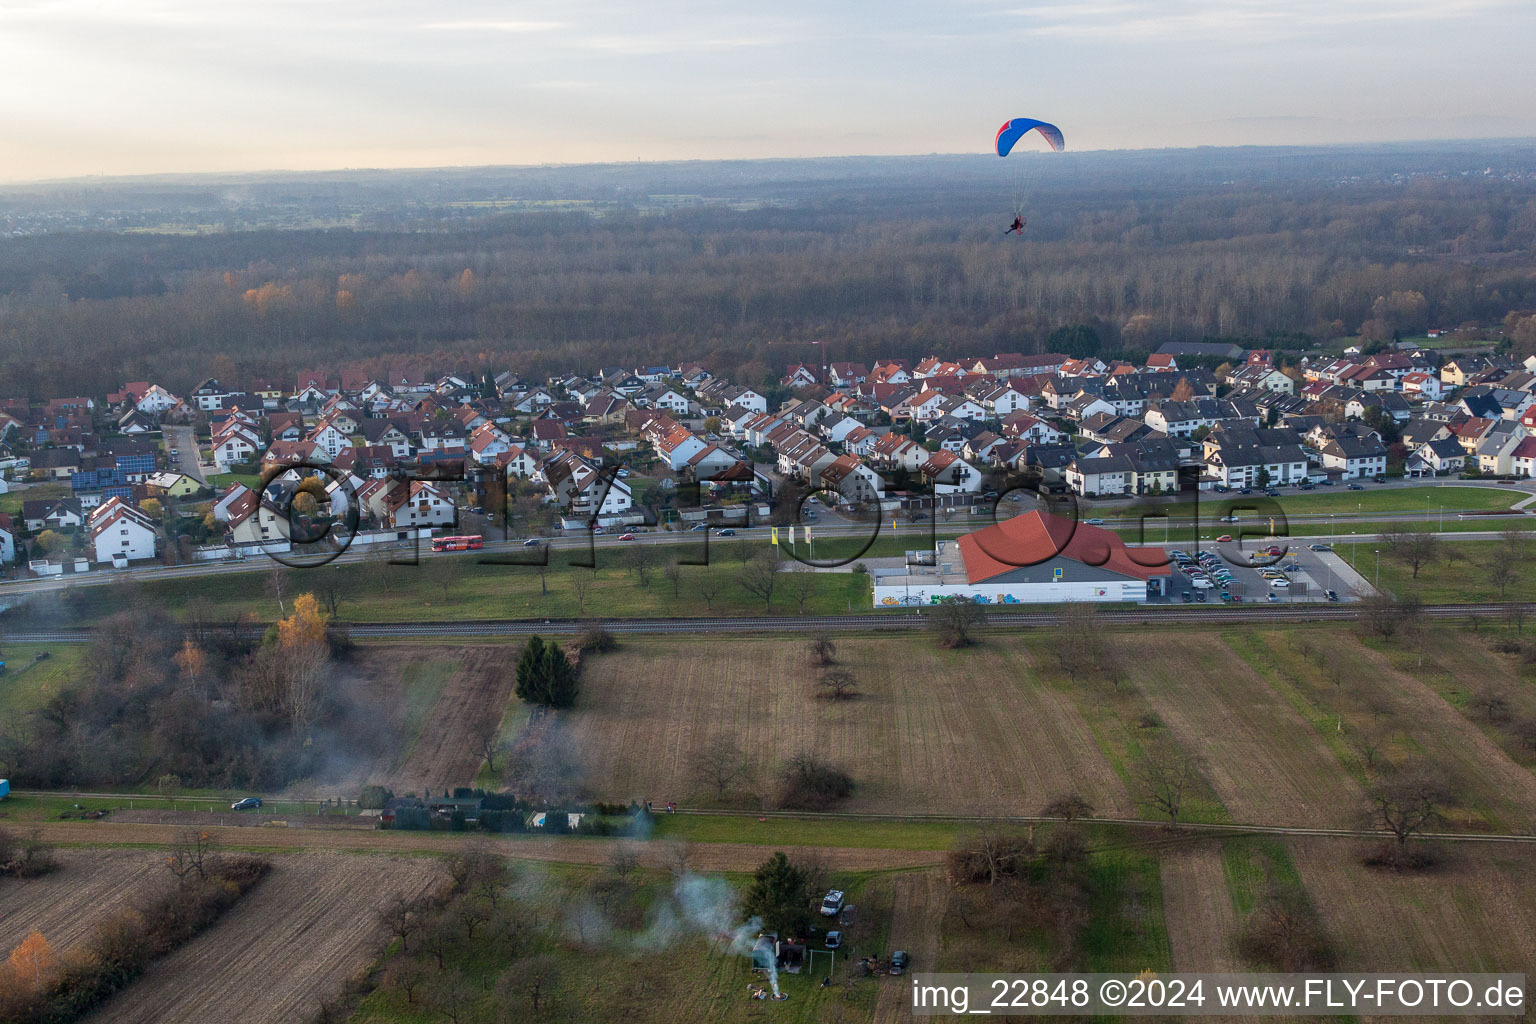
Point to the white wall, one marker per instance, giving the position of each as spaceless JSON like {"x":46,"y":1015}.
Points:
{"x":1021,"y":593}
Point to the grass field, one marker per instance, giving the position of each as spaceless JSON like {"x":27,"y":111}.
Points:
{"x":1461,"y":574}
{"x":28,"y":683}
{"x":467,"y":589}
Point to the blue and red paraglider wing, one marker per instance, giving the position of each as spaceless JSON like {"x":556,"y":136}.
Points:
{"x":1015,"y":129}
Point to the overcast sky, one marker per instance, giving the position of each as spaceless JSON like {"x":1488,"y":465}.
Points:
{"x":143,"y":86}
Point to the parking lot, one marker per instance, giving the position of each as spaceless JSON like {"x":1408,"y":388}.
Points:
{"x":1306,"y":574}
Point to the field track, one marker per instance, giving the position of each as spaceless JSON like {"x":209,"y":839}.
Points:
{"x":1138,"y":614}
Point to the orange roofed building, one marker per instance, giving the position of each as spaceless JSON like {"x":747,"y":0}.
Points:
{"x":1033,"y":558}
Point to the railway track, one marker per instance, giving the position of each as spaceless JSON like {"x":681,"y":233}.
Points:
{"x":869,"y":622}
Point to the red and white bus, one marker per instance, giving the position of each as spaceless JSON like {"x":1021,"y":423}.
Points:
{"x":467,"y":543}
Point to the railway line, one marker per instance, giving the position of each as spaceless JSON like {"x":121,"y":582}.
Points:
{"x":867,"y":622}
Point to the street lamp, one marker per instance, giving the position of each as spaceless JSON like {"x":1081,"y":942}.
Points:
{"x":1378,"y":570}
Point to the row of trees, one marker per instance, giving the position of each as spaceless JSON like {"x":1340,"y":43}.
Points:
{"x":900,"y":277}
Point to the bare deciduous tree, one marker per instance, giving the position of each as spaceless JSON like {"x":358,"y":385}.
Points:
{"x":1068,"y":806}
{"x":759,"y":577}
{"x":1408,"y":803}
{"x":801,"y":585}
{"x":839,"y":684}
{"x":720,"y":763}
{"x":823,"y":649}
{"x":955,"y":621}
{"x":1165,"y":776}
{"x":1414,"y":548}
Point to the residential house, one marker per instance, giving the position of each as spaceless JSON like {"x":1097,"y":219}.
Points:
{"x":582,"y":490}
{"x":1442,"y":455}
{"x":120,"y":531}
{"x":948,"y":473}
{"x":419,"y":504}
{"x":52,"y":514}
{"x":1355,"y":457}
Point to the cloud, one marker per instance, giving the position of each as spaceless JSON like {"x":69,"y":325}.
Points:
{"x":497,"y":25}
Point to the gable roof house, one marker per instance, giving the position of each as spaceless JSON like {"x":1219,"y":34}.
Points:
{"x":121,"y":532}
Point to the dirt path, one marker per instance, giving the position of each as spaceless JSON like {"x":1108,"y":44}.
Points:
{"x":705,"y":856}
{"x":280,"y":951}
{"x":917,"y":914}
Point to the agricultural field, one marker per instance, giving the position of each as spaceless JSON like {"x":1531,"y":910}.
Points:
{"x":1288,"y":724}
{"x":433,"y":700}
{"x":67,"y":904}
{"x":931,"y":731}
{"x":286,"y":947}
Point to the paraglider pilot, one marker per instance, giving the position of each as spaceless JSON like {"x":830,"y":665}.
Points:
{"x":1017,"y":226}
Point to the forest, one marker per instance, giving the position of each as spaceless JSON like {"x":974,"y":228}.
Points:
{"x":878,"y":258}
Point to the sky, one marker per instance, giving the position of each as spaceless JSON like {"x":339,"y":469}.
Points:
{"x":112,"y":87}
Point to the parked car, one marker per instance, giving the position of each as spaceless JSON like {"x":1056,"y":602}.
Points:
{"x":1332,"y":595}
{"x":834,"y":939}
{"x":1274,"y":598}
{"x":727,"y":532}
{"x":250,"y":803}
{"x":832,"y":903}
{"x":1200,"y":596}
{"x":1187,"y":596}
{"x":1280,"y":584}
{"x":898,"y":961}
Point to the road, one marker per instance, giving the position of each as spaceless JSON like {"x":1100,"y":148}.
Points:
{"x":1185,"y":615}
{"x":184,"y":441}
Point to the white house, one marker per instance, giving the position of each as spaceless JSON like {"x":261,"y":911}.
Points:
{"x":420,"y":504}
{"x":1356,"y":457}
{"x":950,"y":474}
{"x":234,"y":444}
{"x":120,"y":532}
{"x":156,"y":401}
{"x":852,"y":479}
{"x":7,"y":540}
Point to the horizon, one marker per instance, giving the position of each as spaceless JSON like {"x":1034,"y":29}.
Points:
{"x":274,"y":172}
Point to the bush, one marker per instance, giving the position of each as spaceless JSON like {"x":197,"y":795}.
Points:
{"x":374,"y":797}
{"x":808,"y":783}
{"x":1284,"y":934}
{"x":596,"y":638}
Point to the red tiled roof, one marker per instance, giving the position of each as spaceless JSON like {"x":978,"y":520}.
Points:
{"x":1034,"y":537}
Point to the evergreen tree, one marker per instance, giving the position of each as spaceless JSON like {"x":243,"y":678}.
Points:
{"x":530,"y":670}
{"x":779,"y":898}
{"x":559,"y":682}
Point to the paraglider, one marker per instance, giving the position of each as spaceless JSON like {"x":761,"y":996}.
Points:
{"x":1016,"y":128}
{"x":1008,"y":135}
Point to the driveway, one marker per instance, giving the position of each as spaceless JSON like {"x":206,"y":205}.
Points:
{"x":184,"y":440}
